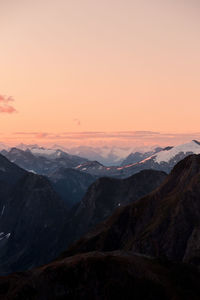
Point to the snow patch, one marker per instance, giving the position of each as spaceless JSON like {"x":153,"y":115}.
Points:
{"x":4,"y":236}
{"x":32,"y":171}
{"x":43,"y":151}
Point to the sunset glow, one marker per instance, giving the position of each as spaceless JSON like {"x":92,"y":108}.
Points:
{"x":81,"y":72}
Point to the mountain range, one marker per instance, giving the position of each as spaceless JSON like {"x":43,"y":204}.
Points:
{"x":147,"y":249}
{"x":107,"y":155}
{"x":42,"y":161}
{"x":45,"y":161}
{"x":163,"y":160}
{"x":70,"y":184}
{"x":71,"y":175}
{"x":36,"y":223}
{"x":163,"y":223}
{"x":136,"y":157}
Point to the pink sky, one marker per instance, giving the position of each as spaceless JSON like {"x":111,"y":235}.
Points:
{"x":99,"y":66}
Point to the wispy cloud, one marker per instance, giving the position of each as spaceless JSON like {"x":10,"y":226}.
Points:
{"x":124,"y":138}
{"x":5,"y":106}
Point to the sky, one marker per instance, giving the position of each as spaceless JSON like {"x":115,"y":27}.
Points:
{"x":80,"y":71}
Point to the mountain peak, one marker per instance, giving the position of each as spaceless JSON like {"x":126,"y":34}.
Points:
{"x":187,"y":148}
{"x":195,"y":141}
{"x":188,"y":167}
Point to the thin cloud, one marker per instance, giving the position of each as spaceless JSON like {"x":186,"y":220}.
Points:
{"x":123,"y":138}
{"x":42,"y":135}
{"x":25,"y":133}
{"x":5,"y":106}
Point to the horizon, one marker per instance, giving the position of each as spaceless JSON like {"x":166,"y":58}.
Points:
{"x":139,"y":140}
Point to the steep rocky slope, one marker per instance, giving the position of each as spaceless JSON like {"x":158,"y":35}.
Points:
{"x":107,"y":194}
{"x":163,"y":223}
{"x":32,"y":217}
{"x":71,"y":185}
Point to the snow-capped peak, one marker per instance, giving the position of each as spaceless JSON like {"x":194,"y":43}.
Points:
{"x":167,"y":155}
{"x":44,"y":151}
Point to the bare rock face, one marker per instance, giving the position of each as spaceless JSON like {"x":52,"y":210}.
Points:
{"x":70,"y":184}
{"x":163,"y":223}
{"x":107,"y":194}
{"x":31,"y":219}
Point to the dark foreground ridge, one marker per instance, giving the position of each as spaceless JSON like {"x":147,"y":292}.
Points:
{"x":104,"y":276}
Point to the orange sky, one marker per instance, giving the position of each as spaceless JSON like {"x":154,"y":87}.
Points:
{"x":109,"y":65}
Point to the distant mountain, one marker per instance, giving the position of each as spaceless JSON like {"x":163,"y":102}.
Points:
{"x":107,"y":194}
{"x":94,"y":168}
{"x":164,"y":160}
{"x":26,"y":160}
{"x":31,"y":219}
{"x":61,"y":157}
{"x":24,"y":147}
{"x":137,"y":157}
{"x":104,"y":276}
{"x":108,"y":156}
{"x":57,"y":154}
{"x":42,"y":161}
{"x":164,"y":223}
{"x":105,"y":155}
{"x":71,"y":185}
